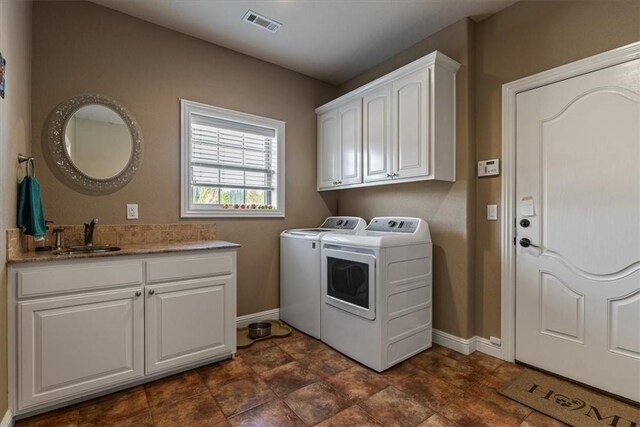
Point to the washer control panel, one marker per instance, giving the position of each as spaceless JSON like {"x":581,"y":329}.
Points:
{"x":340,"y":223}
{"x":393,"y":225}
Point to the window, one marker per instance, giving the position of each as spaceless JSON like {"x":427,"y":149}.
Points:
{"x":232,"y":163}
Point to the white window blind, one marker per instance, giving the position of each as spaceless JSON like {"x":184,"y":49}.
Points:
{"x":231,"y":163}
{"x":232,"y":155}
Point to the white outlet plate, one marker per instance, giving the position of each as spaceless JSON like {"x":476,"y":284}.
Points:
{"x":489,"y":167}
{"x":492,"y":212}
{"x":132,"y":211}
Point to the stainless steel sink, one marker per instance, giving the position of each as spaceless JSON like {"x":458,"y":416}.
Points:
{"x":94,"y":249}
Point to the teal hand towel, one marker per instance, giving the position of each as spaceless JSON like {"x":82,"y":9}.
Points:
{"x":30,"y":213}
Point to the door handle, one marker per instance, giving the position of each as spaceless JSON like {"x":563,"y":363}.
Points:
{"x":525,"y":243}
{"x":152,"y":291}
{"x":138,"y":293}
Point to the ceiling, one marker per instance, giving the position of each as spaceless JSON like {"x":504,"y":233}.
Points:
{"x":331,"y":40}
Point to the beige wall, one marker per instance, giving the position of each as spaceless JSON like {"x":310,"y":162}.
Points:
{"x":524,"y":39}
{"x":448,"y":207}
{"x":15,"y":137}
{"x":79,"y":47}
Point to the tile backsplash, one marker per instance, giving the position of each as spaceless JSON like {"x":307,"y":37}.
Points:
{"x":118,"y":234}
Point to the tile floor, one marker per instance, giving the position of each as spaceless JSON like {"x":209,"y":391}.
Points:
{"x":299,"y":381}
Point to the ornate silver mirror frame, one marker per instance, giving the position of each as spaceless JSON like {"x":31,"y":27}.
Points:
{"x":55,"y":142}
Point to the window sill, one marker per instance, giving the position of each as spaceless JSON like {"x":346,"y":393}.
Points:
{"x":233,"y":213}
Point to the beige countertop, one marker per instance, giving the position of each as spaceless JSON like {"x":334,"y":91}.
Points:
{"x":138,"y":249}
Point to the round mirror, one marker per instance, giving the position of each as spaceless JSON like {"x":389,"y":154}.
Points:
{"x":95,"y":143}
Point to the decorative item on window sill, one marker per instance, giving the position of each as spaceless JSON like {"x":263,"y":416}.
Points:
{"x":252,"y":206}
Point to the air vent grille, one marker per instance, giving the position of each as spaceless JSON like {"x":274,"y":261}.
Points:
{"x":261,"y":21}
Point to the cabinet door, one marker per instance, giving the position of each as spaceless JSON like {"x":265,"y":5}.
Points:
{"x":376,"y":134}
{"x":328,"y":149}
{"x":73,"y":345}
{"x":350,"y":123}
{"x":411,"y":124}
{"x":189,"y":321}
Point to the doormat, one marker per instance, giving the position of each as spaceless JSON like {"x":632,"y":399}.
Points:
{"x":569,"y":403}
{"x":278,"y":330}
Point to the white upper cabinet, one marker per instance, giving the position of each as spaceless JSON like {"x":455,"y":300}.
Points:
{"x":376,"y":134}
{"x":398,"y":128}
{"x":328,"y":149}
{"x":411,"y":125}
{"x":350,"y":121}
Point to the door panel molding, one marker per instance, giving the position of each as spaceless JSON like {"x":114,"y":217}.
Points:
{"x":508,"y":209}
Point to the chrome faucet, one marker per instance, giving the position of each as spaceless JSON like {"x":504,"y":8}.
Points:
{"x":88,"y":232}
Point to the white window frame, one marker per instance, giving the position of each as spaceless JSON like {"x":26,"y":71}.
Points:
{"x":186,"y":209}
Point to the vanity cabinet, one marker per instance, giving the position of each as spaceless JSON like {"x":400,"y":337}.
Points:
{"x":83,"y":327}
{"x":408,"y":128}
{"x":340,"y":150}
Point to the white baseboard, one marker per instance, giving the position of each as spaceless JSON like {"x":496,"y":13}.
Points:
{"x":242,"y":321}
{"x":7,"y":420}
{"x":466,"y":345}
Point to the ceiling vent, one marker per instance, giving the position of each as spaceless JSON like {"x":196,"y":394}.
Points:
{"x":261,"y":21}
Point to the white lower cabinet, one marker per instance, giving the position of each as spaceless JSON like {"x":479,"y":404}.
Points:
{"x":72,"y":336}
{"x":75,"y":344}
{"x":186,"y":322}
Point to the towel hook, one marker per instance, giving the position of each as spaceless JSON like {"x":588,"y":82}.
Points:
{"x":22,"y":158}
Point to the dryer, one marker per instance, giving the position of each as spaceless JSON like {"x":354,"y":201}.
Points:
{"x":300,"y":271}
{"x":376,"y":291}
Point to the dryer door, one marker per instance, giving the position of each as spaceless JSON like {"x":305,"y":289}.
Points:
{"x":350,"y":281}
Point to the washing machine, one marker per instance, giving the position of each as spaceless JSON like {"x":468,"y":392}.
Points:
{"x":376,"y":291}
{"x":300,"y":271}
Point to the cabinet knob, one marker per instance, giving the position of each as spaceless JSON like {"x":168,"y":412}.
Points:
{"x":152,"y":291}
{"x":138,"y":293}
{"x":395,"y":174}
{"x":389,"y":175}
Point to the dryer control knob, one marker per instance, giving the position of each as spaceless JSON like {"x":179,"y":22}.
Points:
{"x":340,"y":222}
{"x":391,"y":224}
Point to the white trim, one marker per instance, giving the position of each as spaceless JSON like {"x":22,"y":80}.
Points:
{"x":7,"y":420}
{"x":466,"y":345}
{"x":186,"y":211}
{"x":508,"y":232}
{"x":426,"y":61}
{"x":242,"y":321}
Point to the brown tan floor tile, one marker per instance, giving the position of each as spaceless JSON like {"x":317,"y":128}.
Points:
{"x":448,"y":352}
{"x":201,"y":410}
{"x":357,"y":383}
{"x":287,"y":378}
{"x":326,"y":362}
{"x":509,"y":406}
{"x":391,"y":408}
{"x":502,"y":375}
{"x":110,"y":409}
{"x":437,"y":420}
{"x":470,"y":410}
{"x":316,"y":402}
{"x":219,"y":374}
{"x":143,"y":419}
{"x":302,"y":348}
{"x":429,"y":390}
{"x":353,"y":416}
{"x":62,"y":418}
{"x":266,"y":359}
{"x":175,"y":388}
{"x":483,"y":362}
{"x":426,"y":359}
{"x":399,"y":371}
{"x":536,"y":419}
{"x":273,"y":414}
{"x":455,"y":372}
{"x":242,"y":395}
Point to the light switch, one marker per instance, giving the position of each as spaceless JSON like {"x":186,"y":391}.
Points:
{"x":132,"y":211}
{"x":492,"y":212}
{"x":489,"y":167}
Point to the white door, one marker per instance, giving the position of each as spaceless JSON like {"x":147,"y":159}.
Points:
{"x":328,"y":150}
{"x":72,"y":345}
{"x":350,"y":122}
{"x":188,"y":321}
{"x":376,"y":134}
{"x":578,"y":186}
{"x":411,"y":124}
